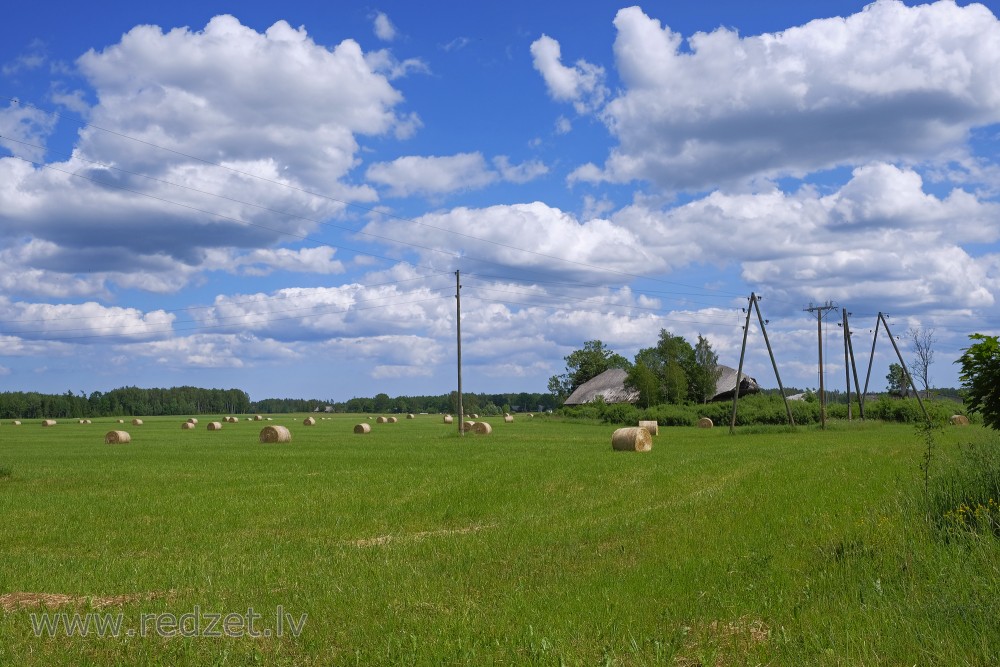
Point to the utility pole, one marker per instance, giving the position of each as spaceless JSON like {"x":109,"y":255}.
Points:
{"x":458,"y":329}
{"x":854,"y":370}
{"x":819,"y":311}
{"x":754,"y":305}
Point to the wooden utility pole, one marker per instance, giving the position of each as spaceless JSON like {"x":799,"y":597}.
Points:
{"x":819,"y":311}
{"x":847,"y":365}
{"x":753,"y":305}
{"x":871,"y":360}
{"x":458,"y":329}
{"x":854,"y":370}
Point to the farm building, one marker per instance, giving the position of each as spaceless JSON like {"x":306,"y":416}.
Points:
{"x":610,"y":385}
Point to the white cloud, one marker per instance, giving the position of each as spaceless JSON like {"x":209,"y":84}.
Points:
{"x":889,"y":83}
{"x":582,"y":84}
{"x":295,"y":129}
{"x":432,"y":175}
{"x":25,"y":130}
{"x":305,"y":260}
{"x":84,"y":322}
{"x":519,"y":173}
{"x":384,"y":29}
{"x":880,"y":241}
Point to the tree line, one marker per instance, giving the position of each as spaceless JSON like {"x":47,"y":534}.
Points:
{"x":135,"y":401}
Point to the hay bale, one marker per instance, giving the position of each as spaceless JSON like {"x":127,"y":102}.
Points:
{"x":448,"y":419}
{"x":508,"y":420}
{"x":121,"y":421}
{"x":15,"y":423}
{"x":482,"y":428}
{"x":411,"y":416}
{"x":474,"y":416}
{"x":530,"y":415}
{"x":275,"y":434}
{"x":49,"y":422}
{"x":187,"y":425}
{"x":270,"y":419}
{"x":652,"y":426}
{"x":631,"y":439}
{"x":468,"y":426}
{"x":81,"y":421}
{"x":192,"y":420}
{"x":959,"y":420}
{"x":392,"y":420}
{"x":214,"y":426}
{"x":258,"y":418}
{"x":381,"y":420}
{"x":309,"y":421}
{"x":117,"y":437}
{"x":87,"y":421}
{"x":136,"y":422}
{"x":705,"y":422}
{"x":363,"y":428}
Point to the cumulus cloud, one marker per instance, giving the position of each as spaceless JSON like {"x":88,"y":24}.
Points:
{"x":25,"y":130}
{"x":384,"y":29}
{"x":888,"y":83}
{"x":529,"y":236}
{"x":582,"y":84}
{"x":439,"y":175}
{"x":878,"y":240}
{"x":295,"y":129}
{"x":81,"y":322}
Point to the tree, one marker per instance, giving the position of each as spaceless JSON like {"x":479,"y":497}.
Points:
{"x":980,"y":378}
{"x":896,"y":379}
{"x":583,"y":365}
{"x":644,"y":379}
{"x":706,"y":371}
{"x":923,"y":347}
{"x":679,"y":364}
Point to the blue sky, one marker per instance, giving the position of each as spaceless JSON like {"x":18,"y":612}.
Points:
{"x":276,"y":196}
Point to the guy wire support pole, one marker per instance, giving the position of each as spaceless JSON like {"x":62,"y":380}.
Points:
{"x":854,"y":367}
{"x":902,"y":363}
{"x":458,"y":329}
{"x":847,"y":365}
{"x":819,"y":310}
{"x":739,"y":371}
{"x":774,"y":364}
{"x":871,"y":358}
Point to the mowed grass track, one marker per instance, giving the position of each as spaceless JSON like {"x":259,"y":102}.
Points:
{"x":534,"y":545}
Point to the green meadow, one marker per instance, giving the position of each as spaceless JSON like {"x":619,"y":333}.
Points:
{"x":535,"y":545}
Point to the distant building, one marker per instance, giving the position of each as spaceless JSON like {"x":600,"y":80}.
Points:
{"x":610,"y":386}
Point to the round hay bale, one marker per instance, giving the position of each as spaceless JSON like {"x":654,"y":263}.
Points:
{"x":468,"y":426}
{"x":49,"y":422}
{"x":381,"y":420}
{"x":392,"y":420}
{"x":411,"y":416}
{"x":81,"y":421}
{"x":474,"y":416}
{"x":508,"y":420}
{"x":136,"y":422}
{"x":121,"y":421}
{"x":270,"y":419}
{"x":705,"y":422}
{"x":652,"y":426}
{"x":258,"y":418}
{"x":530,"y":415}
{"x":309,"y":421}
{"x":15,"y":423}
{"x":87,"y":421}
{"x":117,"y":437}
{"x":959,"y":420}
{"x":631,"y":439}
{"x":363,"y":428}
{"x":192,"y":420}
{"x":482,"y":428}
{"x":214,"y":426}
{"x":448,"y":419}
{"x":275,"y":434}
{"x":187,"y":425}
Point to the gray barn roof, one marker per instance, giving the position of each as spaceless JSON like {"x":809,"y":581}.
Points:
{"x":610,"y":385}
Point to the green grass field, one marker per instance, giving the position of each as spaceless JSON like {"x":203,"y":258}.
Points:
{"x":534,"y":545}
